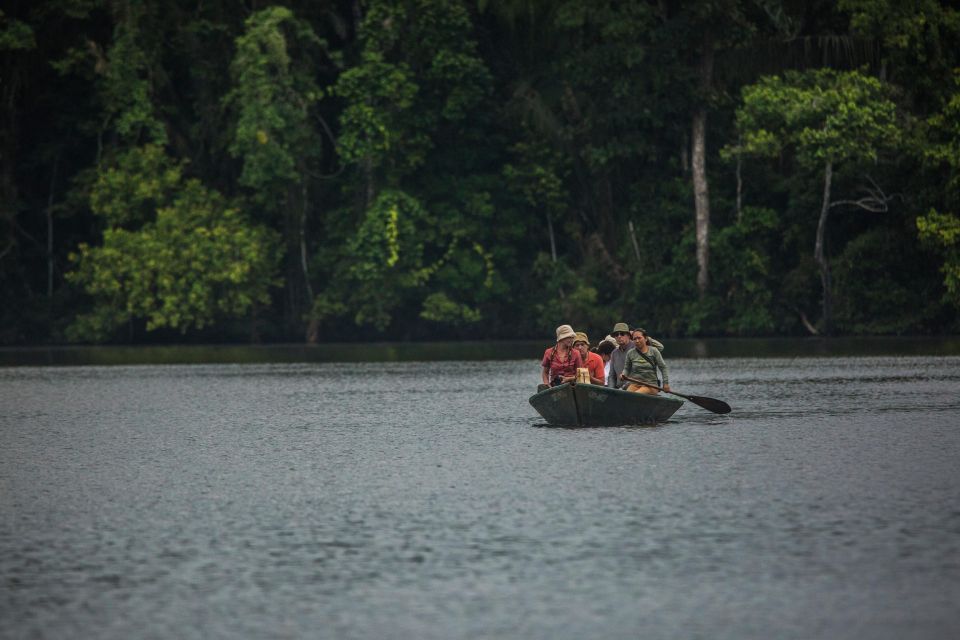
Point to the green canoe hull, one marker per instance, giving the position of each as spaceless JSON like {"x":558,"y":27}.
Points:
{"x":588,"y":405}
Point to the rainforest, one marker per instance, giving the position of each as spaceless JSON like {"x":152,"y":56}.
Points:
{"x":319,"y":171}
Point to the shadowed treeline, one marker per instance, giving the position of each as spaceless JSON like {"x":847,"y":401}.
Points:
{"x":530,"y":350}
{"x":428,"y":170}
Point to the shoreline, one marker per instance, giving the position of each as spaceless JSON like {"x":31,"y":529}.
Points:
{"x":343,"y":352}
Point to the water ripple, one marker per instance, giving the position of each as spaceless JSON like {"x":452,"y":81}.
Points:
{"x":427,"y":500}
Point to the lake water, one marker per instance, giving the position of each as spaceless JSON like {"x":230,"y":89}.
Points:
{"x":409,"y":500}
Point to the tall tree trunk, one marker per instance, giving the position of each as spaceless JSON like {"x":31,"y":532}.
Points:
{"x":296,"y":297}
{"x":291,"y":270}
{"x":368,"y":191}
{"x":819,"y":253}
{"x":698,"y":152}
{"x":304,"y":206}
{"x":633,"y":239}
{"x":50,"y":265}
{"x":739,"y":182}
{"x":553,"y":242}
{"x":313,"y":325}
{"x":9,"y":143}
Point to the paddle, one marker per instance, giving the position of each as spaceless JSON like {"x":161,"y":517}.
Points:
{"x":710,"y":404}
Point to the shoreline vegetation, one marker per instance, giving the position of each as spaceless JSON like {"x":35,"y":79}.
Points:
{"x":690,"y":348}
{"x":178,"y":171}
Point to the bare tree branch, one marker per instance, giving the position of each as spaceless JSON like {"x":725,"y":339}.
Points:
{"x":875,"y":200}
{"x":27,"y":235}
{"x":333,"y":143}
{"x":806,"y":322}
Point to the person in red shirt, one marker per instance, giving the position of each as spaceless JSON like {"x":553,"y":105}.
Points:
{"x":593,"y":361}
{"x":561,"y":361}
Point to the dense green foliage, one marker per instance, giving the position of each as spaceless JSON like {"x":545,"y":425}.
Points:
{"x":173,"y":252}
{"x":425,"y":169}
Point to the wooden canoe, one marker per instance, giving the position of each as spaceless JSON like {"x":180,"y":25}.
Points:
{"x":589,"y":405}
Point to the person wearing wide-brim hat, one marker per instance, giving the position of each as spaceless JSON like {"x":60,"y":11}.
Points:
{"x":620,"y":333}
{"x":561,"y":361}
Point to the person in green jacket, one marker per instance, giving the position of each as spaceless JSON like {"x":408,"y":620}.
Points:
{"x":642,"y":363}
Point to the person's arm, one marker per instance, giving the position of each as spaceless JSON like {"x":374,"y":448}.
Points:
{"x":615,"y":376}
{"x":662,"y":365}
{"x":545,"y":367}
{"x":655,"y":343}
{"x":594,"y":367}
{"x":627,"y":365}
{"x":597,"y":376}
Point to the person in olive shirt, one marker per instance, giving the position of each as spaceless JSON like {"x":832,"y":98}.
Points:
{"x":625,"y":343}
{"x":642,"y":363}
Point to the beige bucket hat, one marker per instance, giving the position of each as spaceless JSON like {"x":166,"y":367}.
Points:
{"x":565,"y":331}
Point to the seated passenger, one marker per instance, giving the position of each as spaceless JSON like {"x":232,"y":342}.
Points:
{"x":605,"y":350}
{"x":653,"y":342}
{"x":621,"y":334}
{"x":594,"y":363}
{"x":561,"y":361}
{"x":642,"y":364}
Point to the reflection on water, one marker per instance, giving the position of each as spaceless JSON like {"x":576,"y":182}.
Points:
{"x":417,"y":500}
{"x":446,"y":351}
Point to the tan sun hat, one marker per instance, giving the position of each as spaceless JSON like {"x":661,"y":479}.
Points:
{"x":620,"y":327}
{"x":581,"y":337}
{"x":565,"y":331}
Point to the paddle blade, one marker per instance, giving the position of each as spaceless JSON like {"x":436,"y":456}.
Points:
{"x":710,"y":404}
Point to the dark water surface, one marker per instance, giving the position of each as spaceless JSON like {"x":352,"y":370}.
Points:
{"x":427,"y":500}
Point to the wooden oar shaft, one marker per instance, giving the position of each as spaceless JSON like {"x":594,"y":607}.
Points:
{"x":647,"y":384}
{"x":710,"y":404}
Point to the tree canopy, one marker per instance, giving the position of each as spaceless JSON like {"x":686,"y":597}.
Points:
{"x":413,"y":169}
